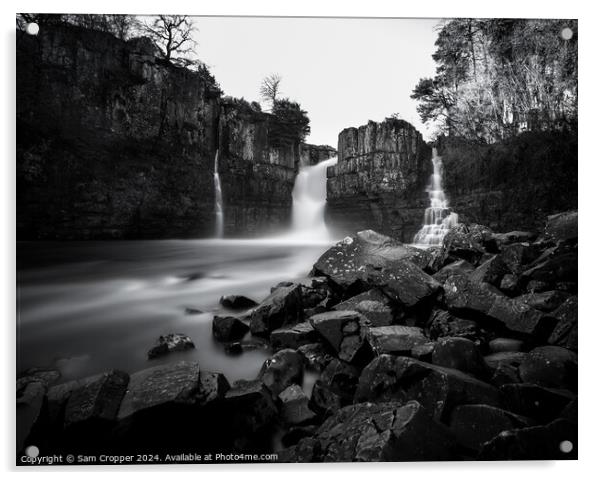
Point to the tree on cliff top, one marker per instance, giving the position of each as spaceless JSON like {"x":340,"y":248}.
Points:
{"x":289,"y":123}
{"x":173,"y":35}
{"x":270,"y":88}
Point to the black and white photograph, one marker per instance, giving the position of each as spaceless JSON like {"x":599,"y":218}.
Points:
{"x":279,"y":239}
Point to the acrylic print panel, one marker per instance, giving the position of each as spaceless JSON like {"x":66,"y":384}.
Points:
{"x":255,"y":248}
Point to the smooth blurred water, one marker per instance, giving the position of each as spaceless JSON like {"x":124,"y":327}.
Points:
{"x":86,"y":307}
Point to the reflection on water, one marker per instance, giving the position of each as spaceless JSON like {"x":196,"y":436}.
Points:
{"x":85,"y":307}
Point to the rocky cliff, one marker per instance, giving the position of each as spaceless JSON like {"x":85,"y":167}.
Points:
{"x":514,"y":184}
{"x":380,"y":179}
{"x":113,"y":142}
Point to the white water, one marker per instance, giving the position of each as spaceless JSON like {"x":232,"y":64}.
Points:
{"x":309,"y":202}
{"x":438,"y":219}
{"x":219,"y":211}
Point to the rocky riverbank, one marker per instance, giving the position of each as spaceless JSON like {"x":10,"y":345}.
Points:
{"x":465,"y":351}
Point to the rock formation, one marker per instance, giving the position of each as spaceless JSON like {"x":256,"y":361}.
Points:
{"x":380,"y":179}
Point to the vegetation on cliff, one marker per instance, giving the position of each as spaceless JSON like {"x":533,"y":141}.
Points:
{"x":498,"y":77}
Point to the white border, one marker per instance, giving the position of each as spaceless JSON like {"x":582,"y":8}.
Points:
{"x":589,"y":174}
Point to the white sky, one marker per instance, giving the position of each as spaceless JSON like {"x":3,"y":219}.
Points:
{"x":344,"y":71}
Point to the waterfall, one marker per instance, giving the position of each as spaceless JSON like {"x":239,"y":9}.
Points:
{"x":219,"y":211}
{"x":438,"y":219}
{"x":309,"y":202}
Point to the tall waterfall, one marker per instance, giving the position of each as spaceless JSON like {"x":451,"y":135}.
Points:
{"x":309,"y":201}
{"x":438,"y":219}
{"x":219,"y":211}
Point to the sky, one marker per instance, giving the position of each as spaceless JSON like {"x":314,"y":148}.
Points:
{"x":342,"y":71}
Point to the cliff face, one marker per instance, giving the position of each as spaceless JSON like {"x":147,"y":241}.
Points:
{"x":511,"y":185}
{"x":380,"y":179}
{"x":113,"y":142}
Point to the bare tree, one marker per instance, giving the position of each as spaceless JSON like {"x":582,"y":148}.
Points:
{"x":173,"y":35}
{"x":270,"y":88}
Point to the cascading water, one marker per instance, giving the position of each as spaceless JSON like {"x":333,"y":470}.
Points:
{"x":309,"y":201}
{"x":438,"y":219}
{"x":219,"y":211}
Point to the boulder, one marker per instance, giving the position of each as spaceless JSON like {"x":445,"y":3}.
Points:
{"x":171,"y":385}
{"x":237,"y":302}
{"x":283,"y":306}
{"x":460,"y":244}
{"x":530,"y":400}
{"x":565,"y":332}
{"x":294,"y":409}
{"x":227,"y":329}
{"x":510,"y":284}
{"x":460,"y":354}
{"x":395,"y":339}
{"x":492,"y":271}
{"x":473,"y":425}
{"x":335,"y":387}
{"x":544,"y":301}
{"x":382,"y":432}
{"x":248,"y":410}
{"x":558,"y":267}
{"x":373,"y":304}
{"x":315,"y":356}
{"x":504,"y":367}
{"x":344,"y":330}
{"x":506,"y":345}
{"x":516,"y":256}
{"x":444,"y":324}
{"x":562,"y":226}
{"x":173,"y":342}
{"x":45,"y":376}
{"x":459,"y":267}
{"x":550,"y":366}
{"x":554,"y":441}
{"x":369,"y":260}
{"x":423,"y":352}
{"x":438,"y":389}
{"x":513,"y":237}
{"x":463,"y":295}
{"x":293,"y":336}
{"x":283,"y":369}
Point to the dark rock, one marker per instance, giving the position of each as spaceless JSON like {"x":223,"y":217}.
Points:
{"x":368,"y":260}
{"x":559,"y":267}
{"x":438,"y":389}
{"x":563,"y":226}
{"x":373,"y":304}
{"x":315,"y":356}
{"x":565,"y":333}
{"x":181,"y":383}
{"x":388,"y":431}
{"x":395,"y":339}
{"x":465,"y":296}
{"x":282,"y":307}
{"x":306,"y":451}
{"x":283,"y":369}
{"x":538,"y":286}
{"x":544,"y":301}
{"x":173,"y":342}
{"x":226,"y":329}
{"x":506,"y":345}
{"x":236,"y":348}
{"x":233,"y":348}
{"x":423,"y":352}
{"x":460,"y":354}
{"x":542,"y":404}
{"x":237,"y":302}
{"x":297,"y":433}
{"x":249,"y":407}
{"x":473,"y":425}
{"x":316,"y":293}
{"x":518,"y":255}
{"x":294,"y":336}
{"x":343,"y":330}
{"x":504,"y":367}
{"x":510,"y":284}
{"x":550,"y":366}
{"x":545,"y":442}
{"x":193,"y":311}
{"x":459,"y":243}
{"x":459,"y":267}
{"x":335,"y":387}
{"x":30,"y":402}
{"x":444,"y":324}
{"x":45,"y":376}
{"x":513,"y":237}
{"x":492,"y":271}
{"x":295,"y":406}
